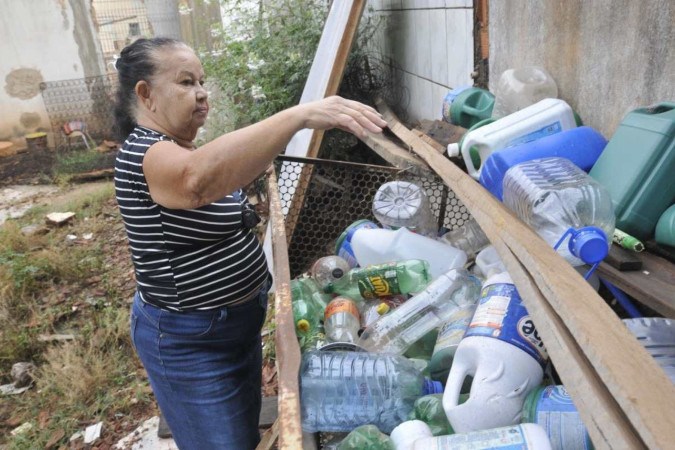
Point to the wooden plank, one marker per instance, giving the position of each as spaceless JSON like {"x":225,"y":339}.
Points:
{"x":269,"y":438}
{"x":653,"y":285}
{"x":288,"y":351}
{"x":601,"y":376}
{"x":434,"y":144}
{"x":396,"y":155}
{"x":622,"y":259}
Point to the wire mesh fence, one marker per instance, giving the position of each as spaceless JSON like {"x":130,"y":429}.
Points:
{"x":321,"y":198}
{"x":86,"y":100}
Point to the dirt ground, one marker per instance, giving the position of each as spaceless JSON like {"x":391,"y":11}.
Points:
{"x":27,"y":168}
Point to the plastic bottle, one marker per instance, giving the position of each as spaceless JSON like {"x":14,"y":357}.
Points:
{"x":581,"y":145}
{"x":552,"y":195}
{"x":526,"y":436}
{"x":448,"y":340}
{"x":522,"y":87}
{"x":637,"y":168}
{"x":403,"y":204}
{"x":342,"y":390}
{"x":549,"y":116}
{"x":328,"y":269}
{"x":423,"y":348}
{"x":366,"y":437}
{"x":306,"y":314}
{"x":319,"y":297}
{"x":488,"y":261}
{"x":380,"y":246}
{"x":398,"y":330}
{"x":407,"y":433}
{"x":343,"y":246}
{"x":552,"y":408}
{"x":429,"y":409}
{"x":665,"y":228}
{"x":468,"y":106}
{"x":469,"y":238}
{"x":382,"y":280}
{"x":341,"y":320}
{"x":657,"y":336}
{"x":504,"y":354}
{"x":371,"y":310}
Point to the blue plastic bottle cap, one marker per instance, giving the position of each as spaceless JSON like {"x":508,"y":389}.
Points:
{"x":589,"y":244}
{"x":432,"y":387}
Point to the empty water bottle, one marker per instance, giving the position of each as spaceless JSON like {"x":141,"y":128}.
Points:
{"x":564,"y":205}
{"x":341,"y":320}
{"x":343,"y":390}
{"x":328,"y":269}
{"x":469,"y":237}
{"x":306,"y":315}
{"x":398,"y":330}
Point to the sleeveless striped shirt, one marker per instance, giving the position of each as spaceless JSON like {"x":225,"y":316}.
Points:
{"x":185,"y":259}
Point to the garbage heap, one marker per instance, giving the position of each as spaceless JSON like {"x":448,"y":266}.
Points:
{"x":415,"y":337}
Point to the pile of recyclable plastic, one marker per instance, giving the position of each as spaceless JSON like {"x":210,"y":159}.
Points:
{"x":415,"y":337}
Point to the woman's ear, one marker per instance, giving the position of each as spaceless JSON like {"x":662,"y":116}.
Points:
{"x":142,"y":90}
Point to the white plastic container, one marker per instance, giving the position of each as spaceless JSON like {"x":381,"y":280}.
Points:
{"x":379,"y":246}
{"x":503,"y":353}
{"x":549,"y":116}
{"x":403,"y":204}
{"x":522,"y":87}
{"x":406,"y":434}
{"x":527,"y":436}
{"x":488,"y":261}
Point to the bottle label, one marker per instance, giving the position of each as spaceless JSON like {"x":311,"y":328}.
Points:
{"x":561,"y":420}
{"x":341,"y":304}
{"x":501,"y":315}
{"x":508,"y":438}
{"x":379,"y":281}
{"x":453,"y":330}
{"x":551,"y":128}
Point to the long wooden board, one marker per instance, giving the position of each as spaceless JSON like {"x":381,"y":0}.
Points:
{"x":624,"y":398}
{"x":288,"y":352}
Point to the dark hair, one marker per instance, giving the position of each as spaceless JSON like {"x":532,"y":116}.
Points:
{"x":135,"y":63}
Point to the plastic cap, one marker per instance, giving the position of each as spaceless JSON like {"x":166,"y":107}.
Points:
{"x":382,"y":309}
{"x":453,"y":150}
{"x":432,"y":387}
{"x":303,"y":325}
{"x":589,"y":244}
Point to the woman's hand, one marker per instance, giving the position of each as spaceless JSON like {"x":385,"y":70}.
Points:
{"x":337,"y":112}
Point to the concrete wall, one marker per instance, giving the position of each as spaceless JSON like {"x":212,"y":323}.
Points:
{"x":428,"y":45}
{"x":42,"y":40}
{"x":607,"y":56}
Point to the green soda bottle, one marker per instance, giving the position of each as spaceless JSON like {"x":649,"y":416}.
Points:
{"x":366,"y":437}
{"x":319,"y":297}
{"x":306,"y":314}
{"x":429,"y":409}
{"x":381,"y":280}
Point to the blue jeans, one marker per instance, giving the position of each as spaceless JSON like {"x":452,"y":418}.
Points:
{"x":205,"y":369}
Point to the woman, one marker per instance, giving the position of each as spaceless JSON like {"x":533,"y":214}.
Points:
{"x":202,"y":278}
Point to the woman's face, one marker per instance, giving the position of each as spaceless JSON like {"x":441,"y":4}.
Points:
{"x":178,"y":98}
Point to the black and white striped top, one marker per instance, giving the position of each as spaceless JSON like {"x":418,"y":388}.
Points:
{"x":185,"y":258}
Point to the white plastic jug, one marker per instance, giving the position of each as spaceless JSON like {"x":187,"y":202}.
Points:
{"x":526,"y":436}
{"x":522,"y":87}
{"x":503,"y":352}
{"x":379,"y":246}
{"x":549,"y":116}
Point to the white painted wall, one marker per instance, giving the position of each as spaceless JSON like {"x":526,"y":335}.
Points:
{"x":36,"y":34}
{"x":428,"y":44}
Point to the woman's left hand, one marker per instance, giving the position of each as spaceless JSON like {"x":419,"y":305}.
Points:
{"x":337,"y":112}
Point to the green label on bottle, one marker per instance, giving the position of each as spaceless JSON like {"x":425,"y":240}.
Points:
{"x":379,"y":281}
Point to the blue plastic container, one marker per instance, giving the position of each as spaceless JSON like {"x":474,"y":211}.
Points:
{"x":582,"y":146}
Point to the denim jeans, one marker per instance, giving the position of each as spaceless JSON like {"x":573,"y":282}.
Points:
{"x":205,"y":371}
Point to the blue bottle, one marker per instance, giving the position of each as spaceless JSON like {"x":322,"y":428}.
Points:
{"x":582,"y":146}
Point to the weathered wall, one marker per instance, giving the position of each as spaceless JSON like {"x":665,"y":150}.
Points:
{"x":428,"y":44}
{"x":607,"y":56}
{"x":41,"y":40}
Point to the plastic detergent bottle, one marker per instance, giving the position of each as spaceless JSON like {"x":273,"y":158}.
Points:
{"x":398,"y":330}
{"x":637,"y":168}
{"x":328,"y":269}
{"x":469,"y":237}
{"x":380,"y":246}
{"x":343,"y":246}
{"x":341,"y":320}
{"x":505,"y":355}
{"x":402,"y":204}
{"x":665,"y":228}
{"x":343,"y":390}
{"x":382,"y":280}
{"x":581,"y":145}
{"x":448,"y":340}
{"x":560,"y":201}
{"x":546,"y":117}
{"x":306,"y":314}
{"x":526,"y":436}
{"x":519,"y":88}
{"x":407,"y":433}
{"x":552,"y":408}
{"x":468,"y":106}
{"x":366,"y":437}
